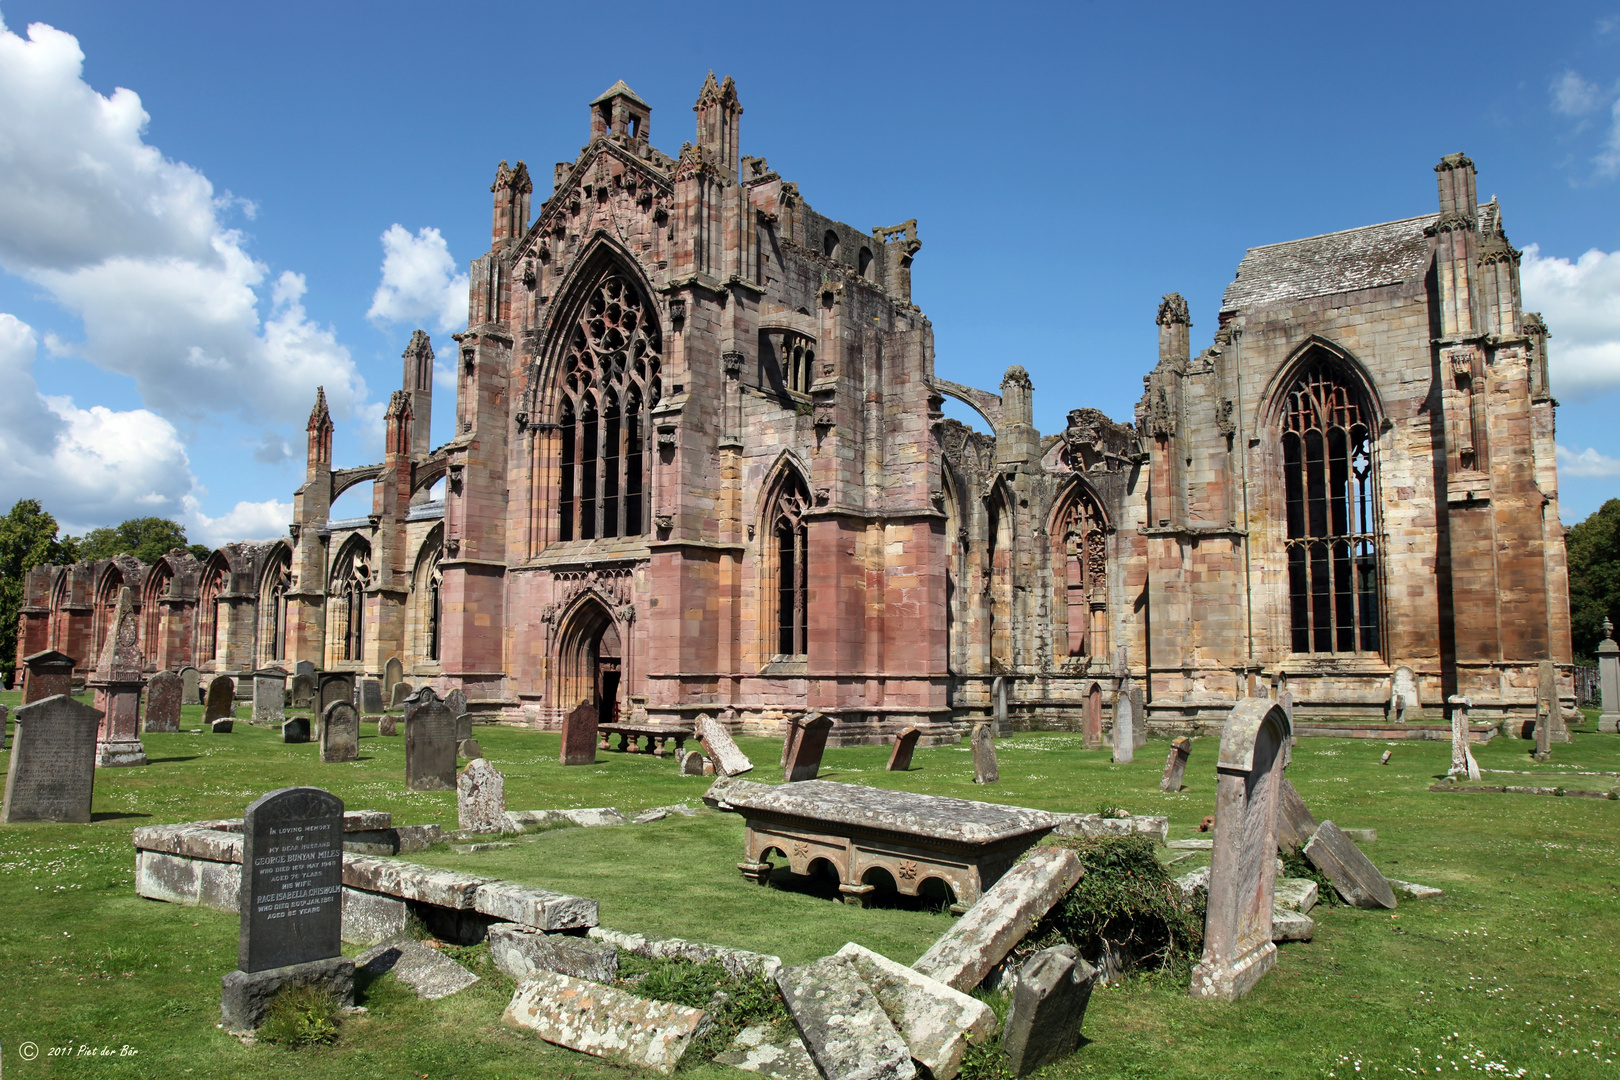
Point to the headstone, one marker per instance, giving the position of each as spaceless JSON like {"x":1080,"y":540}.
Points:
{"x":1543,"y":733}
{"x":1547,"y":692}
{"x":1049,"y":999}
{"x":808,"y":747}
{"x":1124,"y":730}
{"x":371,"y":697}
{"x":464,"y":725}
{"x":481,"y":798}
{"x":46,"y":674}
{"x":191,"y":683}
{"x":1238,"y":948}
{"x":221,"y":703}
{"x":269,"y":696}
{"x":1387,"y":755}
{"x":387,"y":726}
{"x":790,"y":735}
{"x":291,"y":904}
{"x":469,"y":749}
{"x":998,"y":700}
{"x":1139,"y":728}
{"x":430,"y":743}
{"x":1175,"y":766}
{"x":1093,"y":737}
{"x":1352,"y":873}
{"x":985,"y":770}
{"x":393,"y":672}
{"x":1285,"y":698}
{"x":1403,"y":694}
{"x":844,"y":1026}
{"x":303,"y":690}
{"x":397,"y":695}
{"x":52,"y":772}
{"x":223,"y":726}
{"x":904,"y":744}
{"x":1608,"y":654}
{"x":333,"y":686}
{"x":579,"y":736}
{"x":304,"y":667}
{"x":1295,"y":823}
{"x":295,"y":729}
{"x":938,"y":1023}
{"x":1462,"y":755}
{"x":605,"y":1021}
{"x":456,"y":701}
{"x":691,"y":763}
{"x":340,"y":733}
{"x":117,"y":682}
{"x":721,"y":748}
{"x":164,"y":693}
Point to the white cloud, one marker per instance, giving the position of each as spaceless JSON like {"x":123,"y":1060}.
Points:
{"x":1573,"y":95}
{"x":444,"y":376}
{"x":1586,"y":462}
{"x":266,"y":520}
{"x":135,"y":245}
{"x":1580,"y":302}
{"x":419,"y":281}
{"x":1608,"y":160}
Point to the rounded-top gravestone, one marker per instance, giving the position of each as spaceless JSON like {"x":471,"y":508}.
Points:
{"x":164,"y":693}
{"x":340,"y":732}
{"x":430,"y":743}
{"x":221,"y":703}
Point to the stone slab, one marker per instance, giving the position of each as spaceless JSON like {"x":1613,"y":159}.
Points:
{"x":521,"y":951}
{"x":1290,"y":925}
{"x":369,"y":918}
{"x":935,"y":817}
{"x":738,"y":962}
{"x":1049,"y":998}
{"x":1175,"y":766}
{"x":1295,"y":825}
{"x":985,"y":768}
{"x":937,"y":1022}
{"x":408,"y":881}
{"x":1352,"y":873}
{"x":604,"y":1021}
{"x":539,"y":908}
{"x":721,"y":748}
{"x":481,"y":798}
{"x":1097,"y":825}
{"x":1295,"y":894}
{"x":1191,"y":844}
{"x":777,"y":1052}
{"x":809,"y":743}
{"x":843,"y":1024}
{"x":51,"y":774}
{"x":421,"y":967}
{"x":246,"y":996}
{"x":579,"y":732}
{"x":1414,"y":890}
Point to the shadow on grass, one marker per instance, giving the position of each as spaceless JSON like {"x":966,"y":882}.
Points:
{"x":109,"y":816}
{"x":824,"y":886}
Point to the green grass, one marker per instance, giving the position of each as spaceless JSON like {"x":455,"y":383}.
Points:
{"x":1517,"y":965}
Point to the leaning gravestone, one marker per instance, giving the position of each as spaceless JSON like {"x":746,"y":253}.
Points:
{"x":52,"y":772}
{"x":1403,"y":694}
{"x":221,"y":704}
{"x":340,"y":733}
{"x":164,"y":693}
{"x":1238,"y":948}
{"x":1608,"y":654}
{"x":430,"y":743}
{"x":303,"y":691}
{"x":1353,"y":875}
{"x":808,"y":747}
{"x":393,"y":672}
{"x":291,"y":905}
{"x":269,"y":697}
{"x":691,"y":763}
{"x":47,"y":674}
{"x":1175,"y":766}
{"x":191,"y":682}
{"x":904,"y":744}
{"x":371,"y":697}
{"x":400,"y":691}
{"x":790,"y":735}
{"x":295,"y":729}
{"x":480,"y":798}
{"x":1049,"y":1000}
{"x":1295,"y":822}
{"x":579,"y":736}
{"x":985,"y":769}
{"x":1462,"y":755}
{"x":1124,"y":730}
{"x":721,"y":748}
{"x":456,"y":701}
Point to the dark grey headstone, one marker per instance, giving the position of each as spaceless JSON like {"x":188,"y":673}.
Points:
{"x":52,"y":773}
{"x":1048,"y":1005}
{"x":303,"y":691}
{"x":340,"y":732}
{"x":304,"y":667}
{"x":430,"y":743}
{"x":1352,"y":873}
{"x":371,"y":697}
{"x":295,"y":729}
{"x":269,"y":696}
{"x":164,"y":693}
{"x":222,"y":727}
{"x":292,"y":879}
{"x":808,"y":746}
{"x":985,"y":769}
{"x":333,"y":686}
{"x":221,"y":702}
{"x":456,"y":701}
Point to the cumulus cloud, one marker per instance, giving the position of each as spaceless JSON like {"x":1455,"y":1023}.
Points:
{"x":1573,"y":95}
{"x":419,"y":281}
{"x":137,"y":246}
{"x":1580,"y":301}
{"x":266,"y":520}
{"x":1588,"y":462}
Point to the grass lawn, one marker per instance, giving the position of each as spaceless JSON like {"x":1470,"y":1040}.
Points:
{"x":1513,"y":972}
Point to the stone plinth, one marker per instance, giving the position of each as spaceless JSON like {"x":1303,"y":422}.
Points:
{"x":1608,"y":655}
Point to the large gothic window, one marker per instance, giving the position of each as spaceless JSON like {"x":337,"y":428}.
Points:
{"x":273,"y":605}
{"x":213,"y":583}
{"x":610,"y":384}
{"x":789,"y":562}
{"x":348,"y":591}
{"x":1332,"y":514}
{"x":1082,"y":542}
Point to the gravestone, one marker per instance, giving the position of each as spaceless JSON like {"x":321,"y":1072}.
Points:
{"x":400,"y":691}
{"x":46,"y":674}
{"x":291,"y":904}
{"x":464,"y":724}
{"x":191,"y":683}
{"x":269,"y":696}
{"x":303,"y":690}
{"x":371,"y":697}
{"x":721,"y":748}
{"x":1462,"y":755}
{"x":1547,"y":693}
{"x":295,"y":729}
{"x":985,"y":770}
{"x":222,"y":726}
{"x":333,"y":686}
{"x":1139,"y":728}
{"x":1238,"y":948}
{"x":1093,"y":736}
{"x":691,"y":763}
{"x":164,"y":693}
{"x":1608,"y":654}
{"x":1048,"y":1005}
{"x":1124,"y":729}
{"x":904,"y":744}
{"x":579,"y":736}
{"x":1543,"y":733}
{"x":1295,"y":822}
{"x":1403,"y":694}
{"x":790,"y":735}
{"x":1352,"y":873}
{"x":430,"y":743}
{"x":393,"y":672}
{"x":387,"y":727}
{"x":340,"y":733}
{"x":304,"y":667}
{"x":480,"y":798}
{"x":456,"y":701}
{"x":998,"y":701}
{"x":1175,"y":766}
{"x":221,"y":702}
{"x":52,"y":772}
{"x":1286,"y":700}
{"x":469,"y":749}
{"x":808,"y":747}
{"x":117,"y":682}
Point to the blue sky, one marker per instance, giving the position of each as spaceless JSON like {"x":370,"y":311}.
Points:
{"x":309,"y":182}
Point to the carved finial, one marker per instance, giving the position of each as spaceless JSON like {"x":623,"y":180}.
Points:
{"x":1173,"y":310}
{"x":320,"y":416}
{"x":1608,"y":629}
{"x":1017,"y":376}
{"x":420,"y":347}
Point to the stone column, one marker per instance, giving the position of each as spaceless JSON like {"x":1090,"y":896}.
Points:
{"x":1462,"y":757}
{"x":1609,"y":680}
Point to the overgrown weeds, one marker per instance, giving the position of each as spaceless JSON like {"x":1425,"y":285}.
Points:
{"x":733,"y":1002}
{"x":302,"y":1016}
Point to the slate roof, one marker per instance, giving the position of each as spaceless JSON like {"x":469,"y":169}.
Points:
{"x":617,"y":89}
{"x":1363,"y":258}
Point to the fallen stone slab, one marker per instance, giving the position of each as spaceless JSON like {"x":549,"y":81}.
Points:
{"x":1290,"y":925}
{"x":843,"y":1024}
{"x":737,"y":962}
{"x":488,"y":845}
{"x":774,"y":1051}
{"x":1049,"y":999}
{"x":423,"y":968}
{"x":1352,"y":873}
{"x":521,"y":951}
{"x":937,"y":1022}
{"x":1295,"y":894}
{"x":1445,"y":788}
{"x":605,"y":1022}
{"x":594,"y":817}
{"x":721,"y":748}
{"x":1097,"y":825}
{"x":1414,"y":890}
{"x":983,"y":937}
{"x":443,"y":888}
{"x":647,"y":817}
{"x":1189,"y":883}
{"x":1295,"y":824}
{"x":1192,"y":844}
{"x":539,"y":908}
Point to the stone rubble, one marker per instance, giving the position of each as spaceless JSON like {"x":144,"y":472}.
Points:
{"x":604,"y":1021}
{"x":843,"y":1024}
{"x":423,"y":968}
{"x":937,"y":1022}
{"x":776,"y":1052}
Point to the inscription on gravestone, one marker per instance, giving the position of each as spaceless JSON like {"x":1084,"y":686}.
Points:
{"x":292,"y":879}
{"x":371,"y":697}
{"x":52,"y":772}
{"x":164,"y":692}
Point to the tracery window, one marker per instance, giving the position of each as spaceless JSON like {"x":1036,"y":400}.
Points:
{"x":274,"y":600}
{"x":1082,"y":539}
{"x":349,"y":589}
{"x":610,"y":385}
{"x":213,"y":583}
{"x":789,"y":562}
{"x":786,"y":360}
{"x":435,"y":595}
{"x":1332,"y":514}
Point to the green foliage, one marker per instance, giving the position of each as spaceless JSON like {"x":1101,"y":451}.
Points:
{"x":985,"y":1061}
{"x":302,"y":1016}
{"x":200,"y":552}
{"x":733,"y":1002}
{"x":147,"y":538}
{"x":27,"y":539}
{"x":1296,"y":865}
{"x":1594,"y":577}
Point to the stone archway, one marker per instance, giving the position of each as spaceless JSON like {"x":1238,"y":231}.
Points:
{"x":590,"y":660}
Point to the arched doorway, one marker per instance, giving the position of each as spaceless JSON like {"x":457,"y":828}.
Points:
{"x":590,"y":660}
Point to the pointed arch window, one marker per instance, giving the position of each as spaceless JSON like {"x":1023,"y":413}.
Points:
{"x":610,"y":384}
{"x":278,"y":578}
{"x":213,"y":583}
{"x":787,"y":550}
{"x":1082,"y":541}
{"x":349,"y":612}
{"x":1332,"y":510}
{"x":435,"y":606}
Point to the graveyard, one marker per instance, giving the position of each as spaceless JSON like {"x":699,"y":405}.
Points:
{"x":1510,"y":971}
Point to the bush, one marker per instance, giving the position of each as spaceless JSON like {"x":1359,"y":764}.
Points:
{"x":302,"y":1016}
{"x":733,"y":1002}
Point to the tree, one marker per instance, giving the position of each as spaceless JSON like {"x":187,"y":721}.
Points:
{"x":147,"y":538}
{"x":1594,"y":577}
{"x":27,"y":539}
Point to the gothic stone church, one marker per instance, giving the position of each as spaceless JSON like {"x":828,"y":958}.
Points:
{"x":700,"y":465}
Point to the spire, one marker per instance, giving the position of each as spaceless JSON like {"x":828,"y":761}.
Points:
{"x":717,"y":123}
{"x":418,"y":382}
{"x":512,"y":188}
{"x":320,"y":434}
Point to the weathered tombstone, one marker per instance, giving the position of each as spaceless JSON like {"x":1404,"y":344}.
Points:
{"x":1608,"y":654}
{"x":371,"y":697}
{"x":469,"y":749}
{"x":456,"y":701}
{"x":985,"y":770}
{"x":269,"y":696}
{"x":430,"y":743}
{"x":223,"y":726}
{"x":1286,"y":700}
{"x":304,"y":667}
{"x":1403,"y":694}
{"x":393,"y":672}
{"x":1093,"y":737}
{"x":721,"y":748}
{"x":221,"y":703}
{"x":1295,"y":822}
{"x":1175,"y":766}
{"x":691,"y":763}
{"x":191,"y":681}
{"x":46,"y":674}
{"x":1462,"y":756}
{"x":387,"y":726}
{"x":1049,"y":1000}
{"x":1238,"y":948}
{"x":1543,"y":733}
{"x":340,"y":733}
{"x":333,"y":686}
{"x":52,"y":772}
{"x":295,"y":729}
{"x":904,"y":744}
{"x":1547,"y":694}
{"x":397,"y":696}
{"x":1139,"y":728}
{"x":117,"y":682}
{"x":164,"y":693}
{"x":1124,"y":729}
{"x":303,"y":691}
{"x":789,"y":736}
{"x":1352,"y":873}
{"x":579,"y":736}
{"x":464,"y":725}
{"x":998,"y":701}
{"x":808,"y":747}
{"x":480,"y":798}
{"x":291,"y":904}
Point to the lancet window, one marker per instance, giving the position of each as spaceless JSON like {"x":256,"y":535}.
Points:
{"x":789,"y":561}
{"x":1082,"y":540}
{"x":349,"y":590}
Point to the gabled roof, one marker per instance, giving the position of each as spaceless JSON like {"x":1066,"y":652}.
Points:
{"x":619,"y":89}
{"x":1364,"y":258}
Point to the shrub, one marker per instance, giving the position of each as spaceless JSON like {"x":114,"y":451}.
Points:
{"x":301,"y":1016}
{"x":733,"y":1002}
{"x":1297,"y":865}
